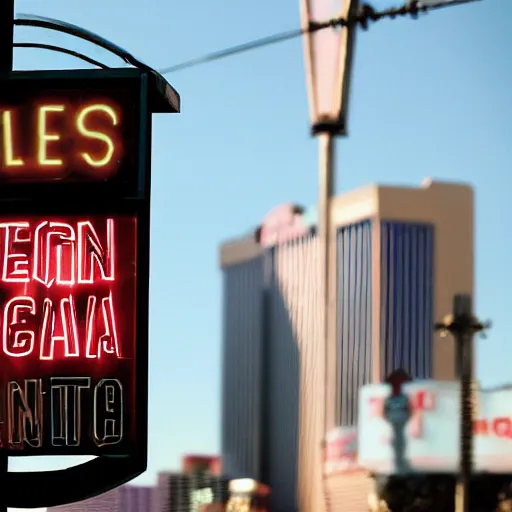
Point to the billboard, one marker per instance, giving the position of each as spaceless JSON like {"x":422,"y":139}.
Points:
{"x":340,"y":454}
{"x":432,"y":432}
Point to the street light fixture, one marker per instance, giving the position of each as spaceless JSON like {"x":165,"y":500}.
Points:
{"x":328,"y":62}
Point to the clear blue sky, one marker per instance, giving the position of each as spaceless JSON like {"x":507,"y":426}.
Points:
{"x":429,"y":98}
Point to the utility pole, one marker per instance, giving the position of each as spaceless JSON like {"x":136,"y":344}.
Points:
{"x":6,"y":63}
{"x":463,"y":325}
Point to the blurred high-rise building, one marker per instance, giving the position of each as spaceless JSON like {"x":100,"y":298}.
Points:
{"x":399,"y":255}
{"x":181,"y":492}
{"x":199,"y":483}
{"x":127,"y":498}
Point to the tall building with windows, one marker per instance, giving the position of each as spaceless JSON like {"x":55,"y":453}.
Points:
{"x":199,"y":483}
{"x":400,"y":253}
{"x":127,"y":498}
{"x":184,"y":492}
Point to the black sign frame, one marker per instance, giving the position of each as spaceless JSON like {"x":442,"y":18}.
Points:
{"x":104,"y":472}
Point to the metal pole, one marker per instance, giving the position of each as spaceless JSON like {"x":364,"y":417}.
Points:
{"x":463,"y":325}
{"x":462,"y":312}
{"x":326,"y":190}
{"x":6,"y":63}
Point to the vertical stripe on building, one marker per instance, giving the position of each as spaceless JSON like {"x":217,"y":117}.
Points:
{"x":296,"y":389}
{"x":242,"y":369}
{"x":282,"y":378}
{"x":407,"y":298}
{"x":274,"y":356}
{"x":354,"y":321}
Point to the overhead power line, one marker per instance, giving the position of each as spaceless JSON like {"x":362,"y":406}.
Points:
{"x":364,"y":17}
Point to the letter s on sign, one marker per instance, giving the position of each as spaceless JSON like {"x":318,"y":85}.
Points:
{"x":80,"y":123}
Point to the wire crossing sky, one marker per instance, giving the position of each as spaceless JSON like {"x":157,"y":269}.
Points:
{"x":364,"y":16}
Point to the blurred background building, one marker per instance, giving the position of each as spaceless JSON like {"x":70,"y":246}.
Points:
{"x":189,"y":493}
{"x":198,"y":484}
{"x":400,"y":255}
{"x":127,"y":498}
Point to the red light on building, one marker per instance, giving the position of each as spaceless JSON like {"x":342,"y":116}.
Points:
{"x":67,"y":313}
{"x":193,"y":464}
{"x":282,"y":224}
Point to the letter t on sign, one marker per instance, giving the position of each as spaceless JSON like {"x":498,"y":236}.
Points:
{"x":65,"y":409}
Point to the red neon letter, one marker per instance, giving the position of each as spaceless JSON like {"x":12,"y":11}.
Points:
{"x":481,"y":427}
{"x":54,"y":253}
{"x":502,"y":427}
{"x":68,"y":327}
{"x":18,"y":338}
{"x":107,"y":342}
{"x":423,"y":401}
{"x":90,"y":250}
{"x":15,"y":265}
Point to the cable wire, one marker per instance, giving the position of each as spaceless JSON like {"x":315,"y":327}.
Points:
{"x":364,"y":16}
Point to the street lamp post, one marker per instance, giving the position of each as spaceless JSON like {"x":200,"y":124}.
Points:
{"x":328,"y":63}
{"x":463,"y":325}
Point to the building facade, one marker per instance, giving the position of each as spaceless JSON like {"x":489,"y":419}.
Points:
{"x":127,"y":498}
{"x":173,"y":492}
{"x":399,"y":256}
{"x":193,"y":464}
{"x":181,"y":492}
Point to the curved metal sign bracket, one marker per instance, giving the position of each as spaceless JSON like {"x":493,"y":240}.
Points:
{"x":166,"y":98}
{"x":60,"y":49}
{"x":69,"y":485}
{"x":30,"y":20}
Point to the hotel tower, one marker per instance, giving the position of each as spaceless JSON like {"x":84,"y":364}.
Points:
{"x":400,"y":254}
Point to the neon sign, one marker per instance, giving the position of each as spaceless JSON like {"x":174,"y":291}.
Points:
{"x":66,"y":135}
{"x":85,"y":128}
{"x":75,"y":187}
{"x":67,"y":328}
